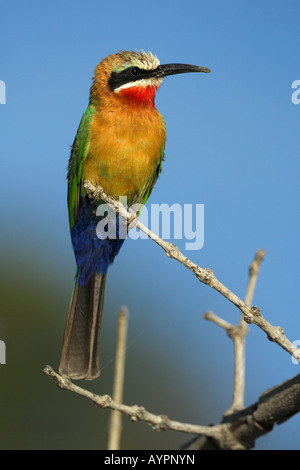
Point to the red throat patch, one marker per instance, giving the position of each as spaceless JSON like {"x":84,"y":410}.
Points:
{"x":140,"y":94}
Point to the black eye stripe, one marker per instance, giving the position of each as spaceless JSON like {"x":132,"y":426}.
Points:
{"x":130,"y":74}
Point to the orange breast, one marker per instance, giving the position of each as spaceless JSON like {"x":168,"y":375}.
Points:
{"x":125,"y":148}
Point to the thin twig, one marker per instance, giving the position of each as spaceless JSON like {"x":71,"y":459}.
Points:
{"x":237,"y":431}
{"x":115,"y":425}
{"x":210,"y":316}
{"x":238,"y":334}
{"x":253,"y":274}
{"x":205,"y":275}
{"x":139,"y":413}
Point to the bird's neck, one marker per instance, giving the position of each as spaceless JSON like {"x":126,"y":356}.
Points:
{"x":139,"y":95}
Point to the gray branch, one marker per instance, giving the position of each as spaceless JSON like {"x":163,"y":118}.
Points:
{"x":274,"y":406}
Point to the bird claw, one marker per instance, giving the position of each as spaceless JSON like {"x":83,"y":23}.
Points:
{"x":96,"y":191}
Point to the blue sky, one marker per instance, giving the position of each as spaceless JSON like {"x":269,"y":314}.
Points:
{"x":232,"y":144}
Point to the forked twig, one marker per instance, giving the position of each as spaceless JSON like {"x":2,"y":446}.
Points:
{"x":238,"y":334}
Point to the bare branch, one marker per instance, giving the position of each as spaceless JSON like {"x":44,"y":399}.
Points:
{"x":115,"y":425}
{"x":274,"y":406}
{"x":210,"y":316}
{"x":139,"y":413}
{"x":238,"y":335}
{"x":205,"y":275}
{"x":253,"y":274}
{"x":237,"y":431}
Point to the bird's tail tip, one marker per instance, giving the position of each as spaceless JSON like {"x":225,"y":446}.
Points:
{"x":80,"y":352}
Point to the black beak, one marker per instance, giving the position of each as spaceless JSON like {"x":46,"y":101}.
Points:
{"x":173,"y":69}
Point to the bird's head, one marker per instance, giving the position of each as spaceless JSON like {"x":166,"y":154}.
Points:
{"x":134,"y":76}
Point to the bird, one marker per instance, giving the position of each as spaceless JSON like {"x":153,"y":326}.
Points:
{"x":119,"y":145}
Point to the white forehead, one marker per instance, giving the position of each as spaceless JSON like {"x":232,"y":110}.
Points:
{"x":146,"y":60}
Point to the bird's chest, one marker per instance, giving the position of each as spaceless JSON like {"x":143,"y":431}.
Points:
{"x":124,"y":152}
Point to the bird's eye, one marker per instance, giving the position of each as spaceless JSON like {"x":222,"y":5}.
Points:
{"x":135,"y":71}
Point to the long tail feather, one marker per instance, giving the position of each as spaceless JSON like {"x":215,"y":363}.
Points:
{"x":80,"y":353}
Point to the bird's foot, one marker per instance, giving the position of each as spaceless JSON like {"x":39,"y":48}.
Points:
{"x":95,"y":191}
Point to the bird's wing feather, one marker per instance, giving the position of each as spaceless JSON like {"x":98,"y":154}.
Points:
{"x":78,"y":154}
{"x":148,"y":186}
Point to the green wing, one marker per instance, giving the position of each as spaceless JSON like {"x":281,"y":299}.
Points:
{"x":78,"y":154}
{"x":150,"y":184}
{"x":145,"y":193}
